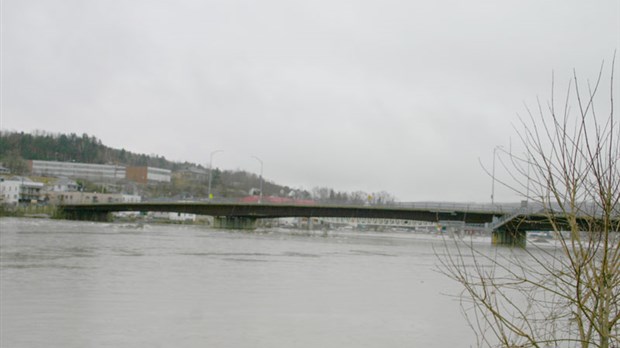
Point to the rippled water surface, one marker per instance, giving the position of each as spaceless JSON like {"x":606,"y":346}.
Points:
{"x":77,"y":284}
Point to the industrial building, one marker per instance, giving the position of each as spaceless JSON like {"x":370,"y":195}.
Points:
{"x":99,"y":172}
{"x":145,"y":175}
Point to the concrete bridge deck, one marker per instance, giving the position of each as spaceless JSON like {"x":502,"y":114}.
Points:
{"x":511,"y":229}
{"x":258,"y":211}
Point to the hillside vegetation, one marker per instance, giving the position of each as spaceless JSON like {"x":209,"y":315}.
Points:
{"x":73,"y":147}
{"x":16,"y":148}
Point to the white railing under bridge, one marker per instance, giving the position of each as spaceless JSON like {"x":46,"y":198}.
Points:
{"x":377,"y":222}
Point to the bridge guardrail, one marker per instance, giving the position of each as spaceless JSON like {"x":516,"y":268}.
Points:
{"x":501,"y":209}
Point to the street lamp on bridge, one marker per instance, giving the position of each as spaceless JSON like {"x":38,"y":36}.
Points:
{"x":493,"y":174}
{"x":211,"y":170}
{"x":260,"y":194}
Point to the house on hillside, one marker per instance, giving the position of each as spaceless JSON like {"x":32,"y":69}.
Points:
{"x":64,"y":185}
{"x":193,"y":173}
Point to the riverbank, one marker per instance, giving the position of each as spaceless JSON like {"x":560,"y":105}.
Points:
{"x":29,"y":211}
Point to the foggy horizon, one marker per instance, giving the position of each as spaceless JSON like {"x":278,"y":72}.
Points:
{"x":405,"y":97}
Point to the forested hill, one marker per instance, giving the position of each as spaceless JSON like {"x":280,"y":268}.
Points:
{"x":72,"y":147}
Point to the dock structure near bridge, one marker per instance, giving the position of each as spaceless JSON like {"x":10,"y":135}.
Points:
{"x":508,"y":228}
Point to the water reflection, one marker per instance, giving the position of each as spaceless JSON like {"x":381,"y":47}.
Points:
{"x":74,"y":284}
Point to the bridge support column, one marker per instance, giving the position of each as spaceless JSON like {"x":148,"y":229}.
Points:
{"x":514,"y":238}
{"x":234,"y":222}
{"x":96,"y":216}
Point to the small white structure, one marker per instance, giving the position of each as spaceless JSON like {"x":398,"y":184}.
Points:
{"x":181,"y":217}
{"x":125,"y":198}
{"x":64,"y":185}
{"x":131,"y":198}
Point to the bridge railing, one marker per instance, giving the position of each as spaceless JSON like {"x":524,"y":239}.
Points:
{"x":448,"y":206}
{"x":500,"y":209}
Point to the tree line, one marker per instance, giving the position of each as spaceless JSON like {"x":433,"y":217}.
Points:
{"x":71,"y":148}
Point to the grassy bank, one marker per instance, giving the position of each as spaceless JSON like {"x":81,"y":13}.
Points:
{"x":31,"y":210}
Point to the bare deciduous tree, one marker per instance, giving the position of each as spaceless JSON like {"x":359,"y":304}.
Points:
{"x":565,"y":294}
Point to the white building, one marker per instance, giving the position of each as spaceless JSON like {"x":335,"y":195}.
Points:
{"x":9,"y":191}
{"x":63,"y":185}
{"x":145,"y":175}
{"x":159,"y":174}
{"x":20,"y":190}
{"x":131,"y":198}
{"x":79,"y":197}
{"x":95,"y":172}
{"x":99,"y":172}
{"x":181,"y":217}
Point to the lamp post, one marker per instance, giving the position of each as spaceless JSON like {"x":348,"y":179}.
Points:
{"x":493,"y":175}
{"x":260,"y":194}
{"x":211,"y":170}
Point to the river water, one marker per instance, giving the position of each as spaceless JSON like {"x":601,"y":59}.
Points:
{"x":78,"y":284}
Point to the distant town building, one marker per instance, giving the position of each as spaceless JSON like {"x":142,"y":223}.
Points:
{"x":95,"y":172}
{"x":147,"y":175}
{"x":63,"y":185}
{"x":131,"y":198}
{"x":9,"y":191}
{"x":4,"y":170}
{"x":180,"y":217}
{"x":99,"y":172}
{"x":276,"y":200}
{"x":192,"y":173}
{"x":20,"y":190}
{"x":55,"y":197}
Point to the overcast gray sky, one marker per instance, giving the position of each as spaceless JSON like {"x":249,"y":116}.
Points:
{"x":397,"y":95}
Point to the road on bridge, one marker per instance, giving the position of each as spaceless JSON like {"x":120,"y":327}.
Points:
{"x":281,"y":210}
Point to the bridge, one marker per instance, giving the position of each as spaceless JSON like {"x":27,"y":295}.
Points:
{"x":508,"y":228}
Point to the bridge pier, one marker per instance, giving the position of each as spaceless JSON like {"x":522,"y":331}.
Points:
{"x":96,"y":216}
{"x":234,"y":222}
{"x":513,"y":238}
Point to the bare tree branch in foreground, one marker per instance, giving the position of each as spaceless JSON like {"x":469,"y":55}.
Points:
{"x":565,"y":294}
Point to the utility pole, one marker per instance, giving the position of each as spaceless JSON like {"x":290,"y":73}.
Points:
{"x":260,"y":194}
{"x":211,"y":171}
{"x":493,"y":175}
